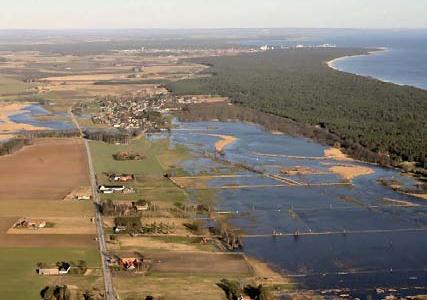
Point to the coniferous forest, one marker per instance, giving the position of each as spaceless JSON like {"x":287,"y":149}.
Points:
{"x":384,"y":118}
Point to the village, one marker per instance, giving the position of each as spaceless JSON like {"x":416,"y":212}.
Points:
{"x":142,"y":112}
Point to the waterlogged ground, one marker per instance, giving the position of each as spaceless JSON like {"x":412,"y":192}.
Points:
{"x":29,"y":116}
{"x":359,"y":236}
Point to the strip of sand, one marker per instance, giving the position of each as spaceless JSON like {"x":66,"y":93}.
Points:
{"x":351,"y":171}
{"x":421,"y":196}
{"x":224,"y":141}
{"x":335,"y":153}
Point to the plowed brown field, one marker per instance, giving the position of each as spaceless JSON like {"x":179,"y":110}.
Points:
{"x":48,"y":170}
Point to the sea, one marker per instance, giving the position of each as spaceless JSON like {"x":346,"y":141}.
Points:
{"x":403,"y":59}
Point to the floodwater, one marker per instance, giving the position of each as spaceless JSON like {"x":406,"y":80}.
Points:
{"x":330,"y":236}
{"x":28,"y":114}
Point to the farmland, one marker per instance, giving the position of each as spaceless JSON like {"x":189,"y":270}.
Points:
{"x":36,"y":180}
{"x":26,"y":284}
{"x":47,"y":170}
{"x":43,"y":180}
{"x":149,"y":172}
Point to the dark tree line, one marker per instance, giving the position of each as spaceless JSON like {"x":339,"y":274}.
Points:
{"x":64,"y":133}
{"x":13,"y":145}
{"x":108,"y":136}
{"x":366,"y":114}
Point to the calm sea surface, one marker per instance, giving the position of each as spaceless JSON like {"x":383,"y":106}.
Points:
{"x":404,"y":62}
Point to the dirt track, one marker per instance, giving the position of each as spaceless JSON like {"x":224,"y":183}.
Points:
{"x":48,"y":170}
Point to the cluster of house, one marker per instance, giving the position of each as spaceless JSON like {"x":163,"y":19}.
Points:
{"x":196,"y":99}
{"x":132,"y":112}
{"x":121,"y":177}
{"x":127,"y":263}
{"x":30,"y":223}
{"x":60,"y":269}
{"x":111,"y":189}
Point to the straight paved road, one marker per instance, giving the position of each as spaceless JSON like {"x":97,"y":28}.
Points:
{"x":108,"y":282}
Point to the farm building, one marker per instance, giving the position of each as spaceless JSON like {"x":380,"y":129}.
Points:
{"x":120,"y":228}
{"x":110,"y":189}
{"x":130,"y":263}
{"x":48,"y":271}
{"x":61,"y":268}
{"x":141,"y":205}
{"x":30,"y":223}
{"x":64,"y":268}
{"x":122,"y":177}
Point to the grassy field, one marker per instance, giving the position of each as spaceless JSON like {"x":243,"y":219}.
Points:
{"x":11,"y":86}
{"x":151,"y":184}
{"x":19,"y":281}
{"x":159,"y":158}
{"x":173,"y":287}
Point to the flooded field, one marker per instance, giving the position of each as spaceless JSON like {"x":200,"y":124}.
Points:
{"x":30,"y":114}
{"x":311,"y":223}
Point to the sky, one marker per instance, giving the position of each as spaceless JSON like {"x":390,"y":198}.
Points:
{"x":110,"y":14}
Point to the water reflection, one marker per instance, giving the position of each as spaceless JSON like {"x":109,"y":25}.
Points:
{"x":357,"y":236}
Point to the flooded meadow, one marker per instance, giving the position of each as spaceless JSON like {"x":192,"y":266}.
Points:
{"x":316,"y":226}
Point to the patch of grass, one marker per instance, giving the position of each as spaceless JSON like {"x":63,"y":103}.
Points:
{"x":179,"y":239}
{"x":18,"y":278}
{"x":11,"y":86}
{"x":171,"y":287}
{"x":45,"y":209}
{"x":151,"y":184}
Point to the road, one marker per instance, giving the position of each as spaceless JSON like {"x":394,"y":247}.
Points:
{"x":108,"y":281}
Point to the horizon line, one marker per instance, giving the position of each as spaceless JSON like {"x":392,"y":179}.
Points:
{"x":204,"y":28}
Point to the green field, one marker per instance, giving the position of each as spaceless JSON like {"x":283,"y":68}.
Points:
{"x":18,"y":278}
{"x":151,"y":184}
{"x":159,"y":157}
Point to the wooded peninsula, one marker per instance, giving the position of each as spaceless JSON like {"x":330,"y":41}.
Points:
{"x":387,"y":121}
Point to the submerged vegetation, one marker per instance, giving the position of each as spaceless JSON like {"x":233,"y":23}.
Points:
{"x":385,"y":118}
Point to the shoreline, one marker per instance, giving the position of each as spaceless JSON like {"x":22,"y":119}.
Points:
{"x":378,"y":51}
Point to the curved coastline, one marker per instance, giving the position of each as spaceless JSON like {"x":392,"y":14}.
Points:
{"x":378,"y":51}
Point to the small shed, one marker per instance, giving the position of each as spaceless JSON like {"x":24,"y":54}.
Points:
{"x":48,"y":271}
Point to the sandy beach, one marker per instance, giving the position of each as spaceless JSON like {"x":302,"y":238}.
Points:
{"x":335,"y":153}
{"x":224,"y":141}
{"x":331,"y":63}
{"x":351,"y":171}
{"x":7,"y":127}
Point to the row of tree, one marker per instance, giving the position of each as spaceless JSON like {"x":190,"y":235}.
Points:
{"x":109,"y":136}
{"x":13,"y":145}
